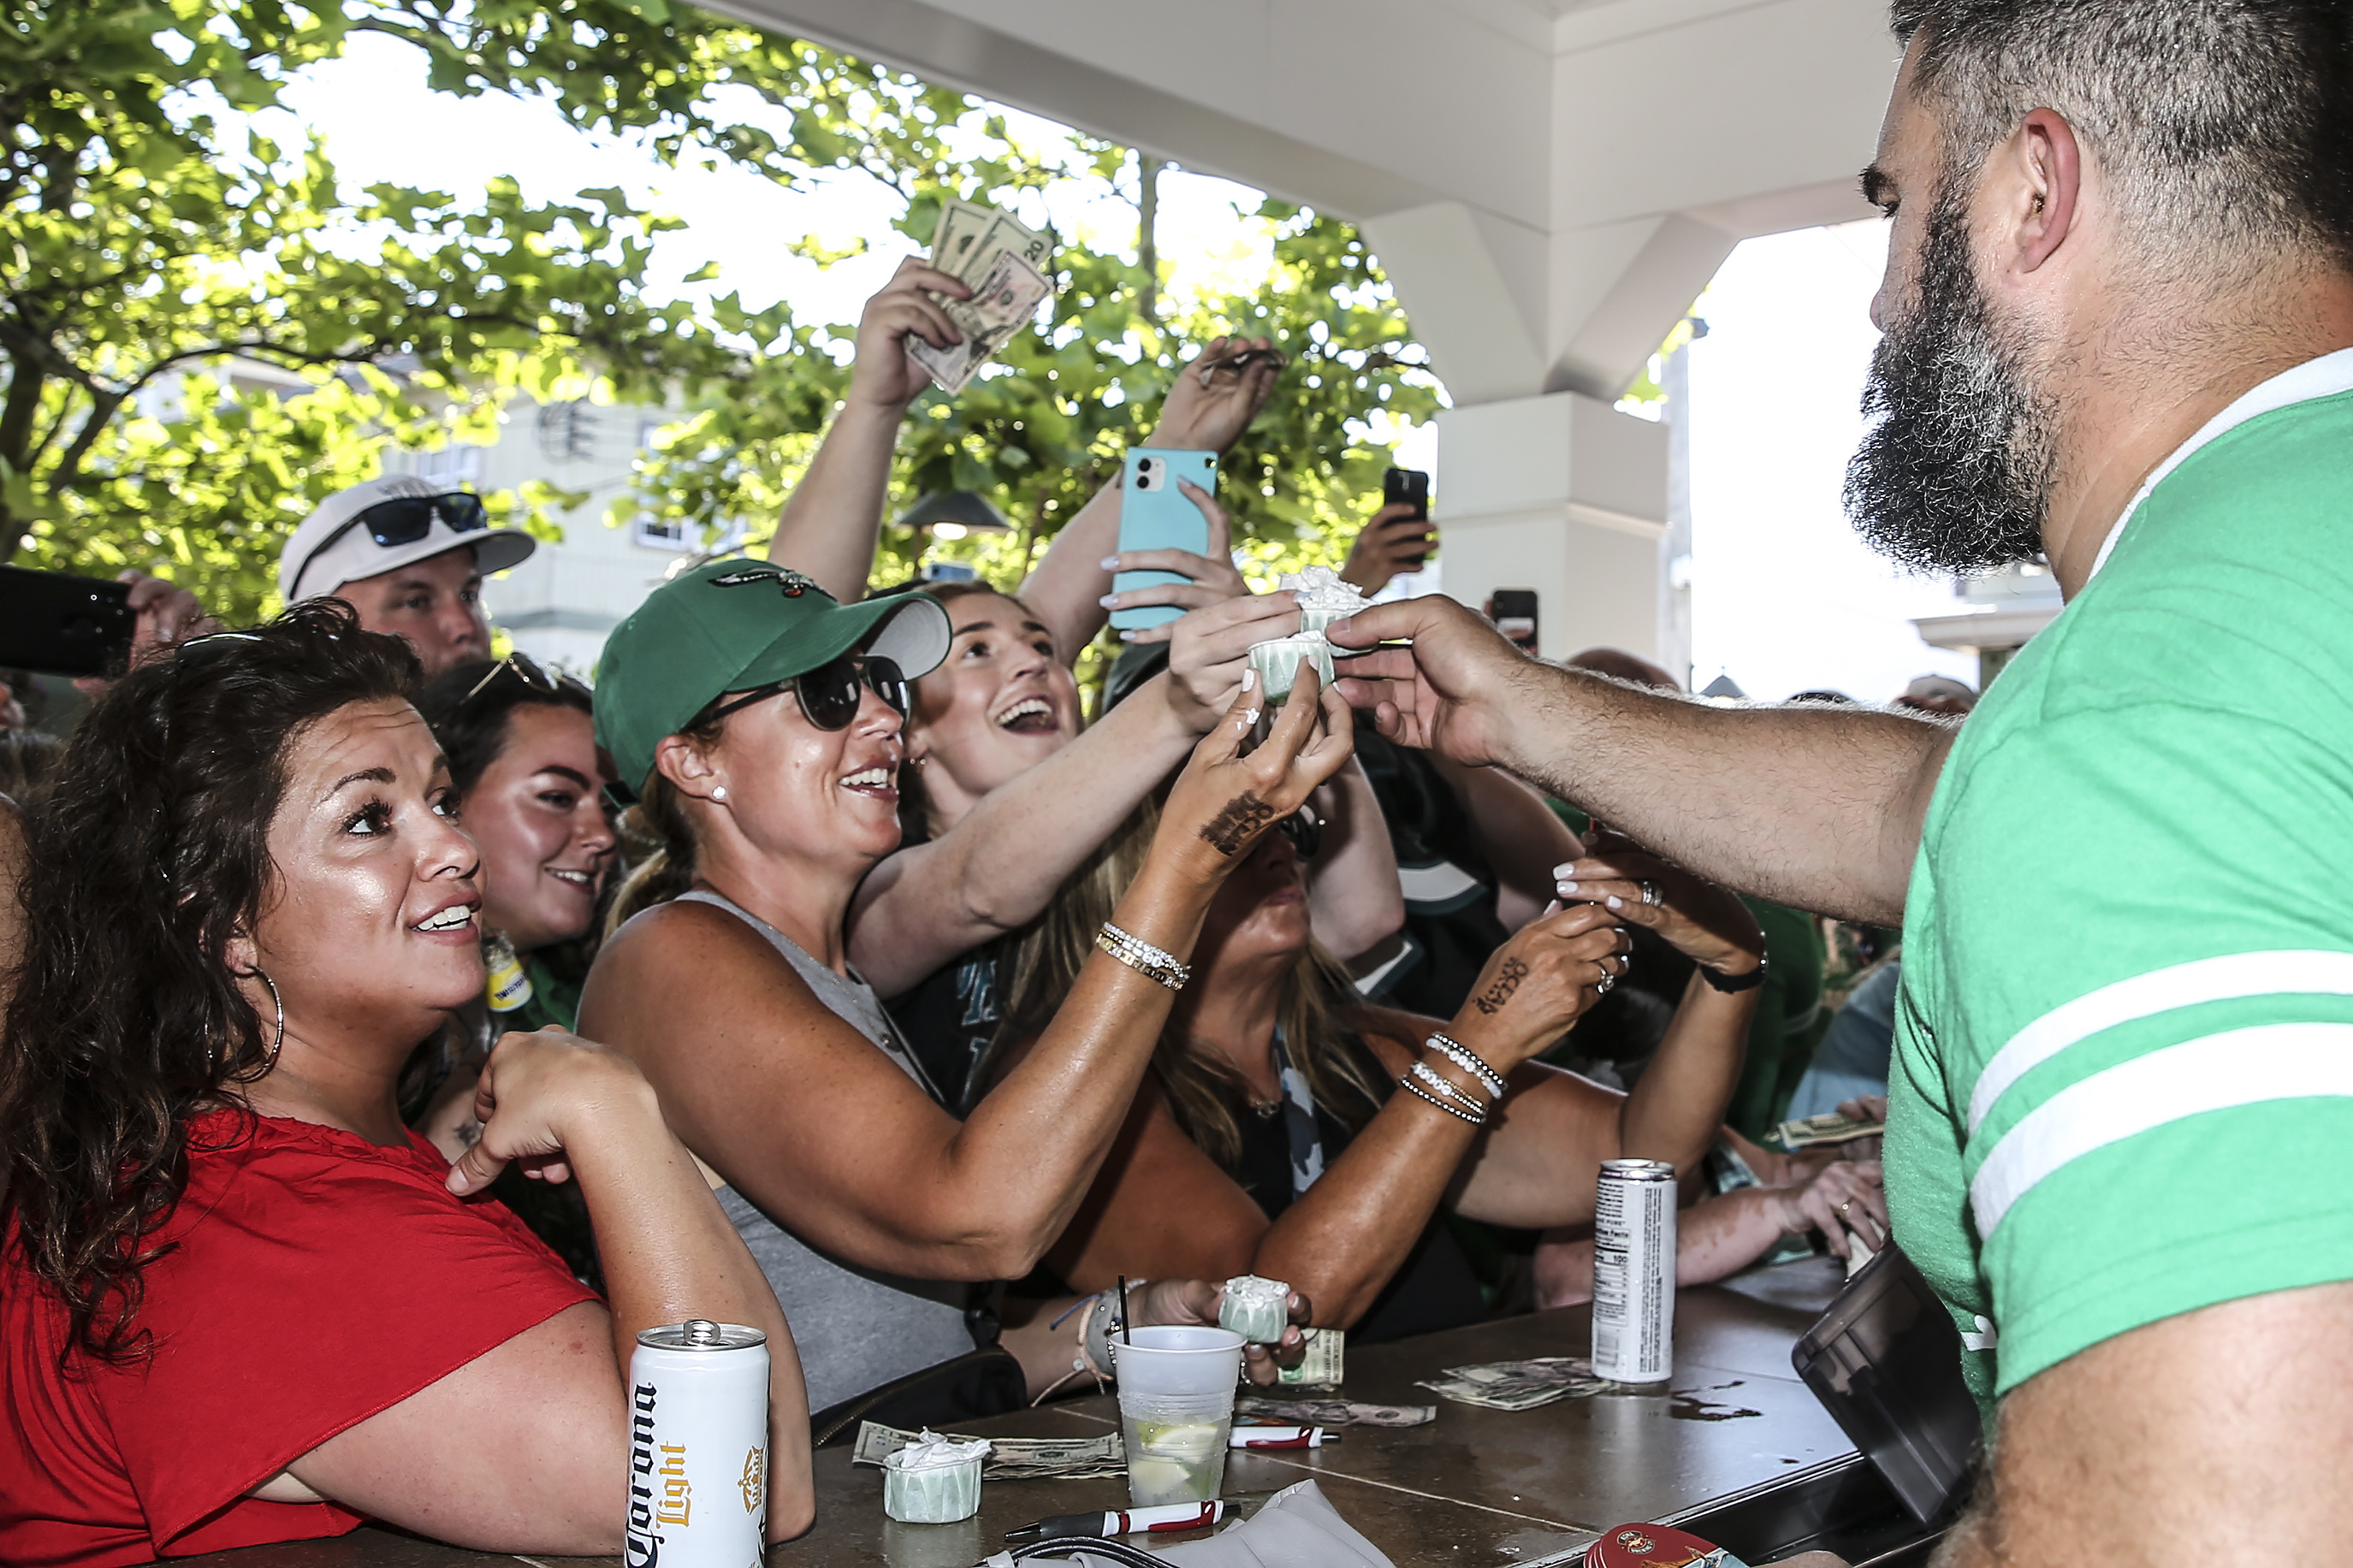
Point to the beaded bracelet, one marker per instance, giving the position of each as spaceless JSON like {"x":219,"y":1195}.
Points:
{"x":1154,"y":963}
{"x":1454,"y":1052}
{"x":1446,"y":1087}
{"x":1421,"y":1093}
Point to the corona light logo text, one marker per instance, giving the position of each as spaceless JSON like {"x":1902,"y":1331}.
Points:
{"x":677,"y":1501}
{"x":640,"y":1547}
{"x":756,"y":1480}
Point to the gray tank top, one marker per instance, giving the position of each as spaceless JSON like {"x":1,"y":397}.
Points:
{"x":856,"y":1328}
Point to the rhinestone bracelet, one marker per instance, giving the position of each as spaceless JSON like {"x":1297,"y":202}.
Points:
{"x":1450,"y":1109}
{"x":1454,"y":1052}
{"x":1439,"y":1083}
{"x":1154,"y":963}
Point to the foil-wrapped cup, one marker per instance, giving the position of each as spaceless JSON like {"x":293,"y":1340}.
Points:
{"x":1278,"y":661}
{"x":1323,"y":597}
{"x":1256,"y":1309}
{"x":932,"y":1481}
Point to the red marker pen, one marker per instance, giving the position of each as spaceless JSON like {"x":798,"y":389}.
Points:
{"x":1126,"y":1522}
{"x":1272,"y":1436}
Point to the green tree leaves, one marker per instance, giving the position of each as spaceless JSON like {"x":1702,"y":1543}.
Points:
{"x":204,"y":332}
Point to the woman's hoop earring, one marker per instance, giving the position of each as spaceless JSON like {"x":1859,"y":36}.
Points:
{"x":279,"y":1044}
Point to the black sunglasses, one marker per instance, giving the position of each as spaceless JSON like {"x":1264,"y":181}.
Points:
{"x":1305,"y":831}
{"x":830,"y":694}
{"x":404,"y":520}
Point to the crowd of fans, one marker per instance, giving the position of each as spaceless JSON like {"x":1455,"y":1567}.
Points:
{"x":925,"y":1011}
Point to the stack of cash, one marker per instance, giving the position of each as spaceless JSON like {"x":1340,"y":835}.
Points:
{"x":1830,"y":1127}
{"x":1334,"y":1412}
{"x":1003,"y":260}
{"x":1010,"y":1459}
{"x":1326,"y":1363}
{"x":1517,"y":1384}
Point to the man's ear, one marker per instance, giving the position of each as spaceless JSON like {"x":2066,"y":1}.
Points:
{"x":688,"y":766}
{"x":2052,"y":168}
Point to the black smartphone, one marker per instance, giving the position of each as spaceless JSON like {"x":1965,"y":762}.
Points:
{"x":1514,"y":610}
{"x":1885,"y":1361}
{"x":56,"y":625}
{"x":1410,"y":486}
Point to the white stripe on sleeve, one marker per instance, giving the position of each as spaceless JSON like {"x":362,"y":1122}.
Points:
{"x":2240,"y":1066}
{"x":2231,"y":976}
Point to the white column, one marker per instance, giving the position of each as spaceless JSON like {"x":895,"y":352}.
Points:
{"x":1563,"y":494}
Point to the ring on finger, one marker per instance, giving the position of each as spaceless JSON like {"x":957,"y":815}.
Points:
{"x":1651,"y":893}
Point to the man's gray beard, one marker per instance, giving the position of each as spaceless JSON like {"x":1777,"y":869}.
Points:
{"x":1955,"y":473}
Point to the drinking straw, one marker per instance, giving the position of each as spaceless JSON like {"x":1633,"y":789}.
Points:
{"x":1125,"y":1337}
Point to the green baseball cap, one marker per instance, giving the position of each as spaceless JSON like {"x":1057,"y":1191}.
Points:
{"x":731,"y":625}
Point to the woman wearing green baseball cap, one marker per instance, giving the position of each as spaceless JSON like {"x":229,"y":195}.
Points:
{"x":761,"y":722}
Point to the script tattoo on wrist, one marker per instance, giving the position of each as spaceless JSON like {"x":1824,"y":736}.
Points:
{"x":1237,"y":824}
{"x":1507,"y":980}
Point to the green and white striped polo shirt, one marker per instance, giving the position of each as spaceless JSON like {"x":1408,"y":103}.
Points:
{"x":2123,"y":1083}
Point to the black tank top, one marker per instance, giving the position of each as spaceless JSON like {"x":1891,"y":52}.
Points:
{"x":1435,"y":1288}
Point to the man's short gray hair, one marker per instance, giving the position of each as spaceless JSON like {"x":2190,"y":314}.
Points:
{"x":2225,"y":125}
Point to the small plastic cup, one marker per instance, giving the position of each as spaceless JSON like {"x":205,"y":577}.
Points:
{"x":1277,"y":662}
{"x":1175,"y":1410}
{"x":918,"y":1487}
{"x":1256,"y":1309}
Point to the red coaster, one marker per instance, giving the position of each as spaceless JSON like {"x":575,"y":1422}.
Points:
{"x":1655,"y":1546}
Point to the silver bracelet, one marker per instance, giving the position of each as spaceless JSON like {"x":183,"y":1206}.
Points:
{"x":1415,"y":1090}
{"x":1154,"y":963}
{"x":1453,"y":1051}
{"x":1440,"y":1084}
{"x":1103,"y":1320}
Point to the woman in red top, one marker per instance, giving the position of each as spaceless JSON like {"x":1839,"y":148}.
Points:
{"x":239,"y":1302}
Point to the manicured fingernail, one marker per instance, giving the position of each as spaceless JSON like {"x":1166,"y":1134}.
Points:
{"x":1109,"y":601}
{"x":1566,"y":889}
{"x":1127,"y":637}
{"x":1111,"y":563}
{"x":1614,"y":901}
{"x":1564,"y":870}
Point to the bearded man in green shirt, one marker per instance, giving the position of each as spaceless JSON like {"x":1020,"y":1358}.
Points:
{"x":2119,"y":307}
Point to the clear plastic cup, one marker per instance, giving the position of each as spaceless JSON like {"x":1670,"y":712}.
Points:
{"x":1176,"y":1410}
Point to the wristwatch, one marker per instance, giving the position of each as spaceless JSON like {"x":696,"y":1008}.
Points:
{"x":1734,"y":982}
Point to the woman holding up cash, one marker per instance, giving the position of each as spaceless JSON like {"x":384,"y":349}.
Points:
{"x":761,"y":724}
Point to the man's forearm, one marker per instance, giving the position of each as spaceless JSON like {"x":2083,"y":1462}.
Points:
{"x":834,"y":519}
{"x":1819,"y":808}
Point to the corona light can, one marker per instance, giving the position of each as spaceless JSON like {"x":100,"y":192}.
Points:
{"x":1634,"y":1271}
{"x":698,"y":1448}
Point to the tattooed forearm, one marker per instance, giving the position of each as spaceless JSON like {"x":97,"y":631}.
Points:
{"x":1237,"y":824}
{"x":1507,"y":980}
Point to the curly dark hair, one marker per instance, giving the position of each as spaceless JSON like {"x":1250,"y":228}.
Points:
{"x":468,"y":706}
{"x":152,"y":854}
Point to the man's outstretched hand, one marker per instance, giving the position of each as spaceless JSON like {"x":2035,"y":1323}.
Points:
{"x":1455,"y":691}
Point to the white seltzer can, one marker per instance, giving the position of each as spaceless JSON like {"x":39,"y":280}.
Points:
{"x":1634,"y":1271}
{"x":698,"y":1448}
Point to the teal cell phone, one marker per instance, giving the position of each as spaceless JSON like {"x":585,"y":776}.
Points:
{"x":1154,"y":514}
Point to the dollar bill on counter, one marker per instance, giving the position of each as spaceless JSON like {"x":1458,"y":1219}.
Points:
{"x":1517,"y":1384}
{"x":1326,"y":1364}
{"x":1334,"y":1412}
{"x":1011,"y":1458}
{"x":1830,"y":1127}
{"x":1003,"y":260}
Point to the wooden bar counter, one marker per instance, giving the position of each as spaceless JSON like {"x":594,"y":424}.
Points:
{"x":1475,"y":1487}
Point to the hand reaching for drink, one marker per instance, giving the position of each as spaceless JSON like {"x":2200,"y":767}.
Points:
{"x":1225,"y":799}
{"x":1193,"y":1304}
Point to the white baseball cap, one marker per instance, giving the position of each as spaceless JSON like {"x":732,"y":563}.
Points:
{"x":340,"y":542}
